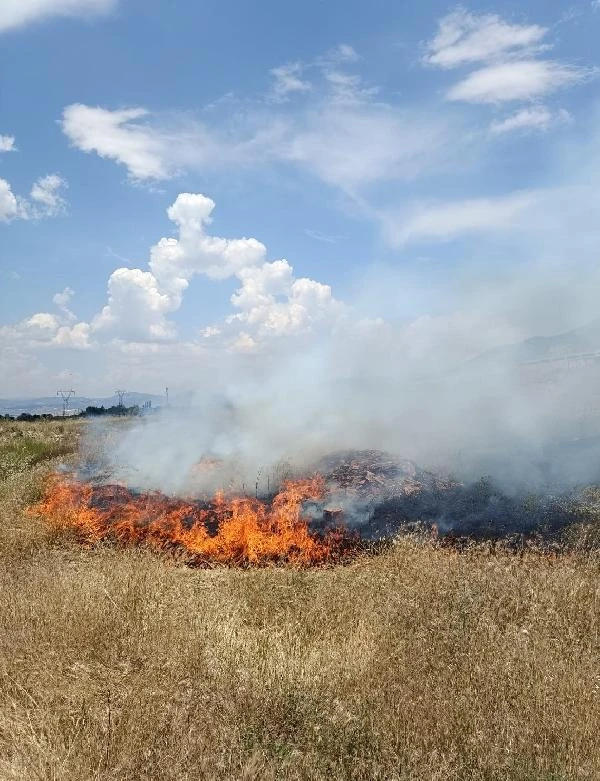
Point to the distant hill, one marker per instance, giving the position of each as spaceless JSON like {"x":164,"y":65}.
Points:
{"x":579,"y":341}
{"x":53,"y":404}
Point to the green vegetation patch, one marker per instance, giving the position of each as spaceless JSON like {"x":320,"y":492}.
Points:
{"x":25,"y":451}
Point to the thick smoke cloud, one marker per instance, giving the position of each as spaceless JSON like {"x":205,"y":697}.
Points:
{"x":421,"y":389}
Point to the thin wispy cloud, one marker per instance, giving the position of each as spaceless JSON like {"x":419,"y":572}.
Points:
{"x":517,"y":80}
{"x":529,"y":119}
{"x":466,"y":38}
{"x":440,"y":222}
{"x":507,"y":56}
{"x":323,"y":237}
{"x":288,"y":79}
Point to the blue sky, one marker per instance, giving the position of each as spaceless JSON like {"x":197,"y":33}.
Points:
{"x":421,"y":176}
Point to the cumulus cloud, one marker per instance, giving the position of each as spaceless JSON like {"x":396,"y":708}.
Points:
{"x":270,"y":300}
{"x":274,"y":303}
{"x":44,"y":321}
{"x":75,"y":336}
{"x":45,"y":200}
{"x":7,"y":144}
{"x":9,"y":206}
{"x":463,"y":37}
{"x":47,"y":330}
{"x":519,"y":80}
{"x":136,"y":307}
{"x":18,"y":13}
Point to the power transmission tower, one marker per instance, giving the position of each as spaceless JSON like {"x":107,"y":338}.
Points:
{"x":167,"y":395}
{"x":121,"y":394}
{"x":65,"y":396}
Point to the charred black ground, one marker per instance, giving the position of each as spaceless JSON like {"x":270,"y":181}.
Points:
{"x":380,"y":496}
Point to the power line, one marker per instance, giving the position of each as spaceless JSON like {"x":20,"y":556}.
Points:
{"x":65,"y":396}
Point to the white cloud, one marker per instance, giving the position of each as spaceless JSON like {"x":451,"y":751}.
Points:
{"x":9,"y":206}
{"x":274,"y":303}
{"x":49,"y":330}
{"x":447,"y":221}
{"x":62,"y":300}
{"x":519,"y":80}
{"x":271,"y":302}
{"x":44,"y":200}
{"x":288,"y":80}
{"x":117,"y":136}
{"x":354,"y":145}
{"x":7,"y":144}
{"x":261,"y":284}
{"x":46,"y":330}
{"x":243,"y":343}
{"x":326,"y":238}
{"x":45,"y":197}
{"x":159,"y":147}
{"x":18,"y":13}
{"x":136,"y":307}
{"x":464,"y":37}
{"x":341,"y":135}
{"x":536,"y":118}
{"x":43,"y":320}
{"x":196,"y":252}
{"x":339,"y":55}
{"x":75,"y":336}
{"x":507,"y":56}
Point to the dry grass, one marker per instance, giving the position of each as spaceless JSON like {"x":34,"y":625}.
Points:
{"x":421,"y":663}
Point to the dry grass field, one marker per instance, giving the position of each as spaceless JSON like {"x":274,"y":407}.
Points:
{"x":420,"y":663}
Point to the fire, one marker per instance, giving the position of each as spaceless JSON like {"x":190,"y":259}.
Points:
{"x":229,"y":531}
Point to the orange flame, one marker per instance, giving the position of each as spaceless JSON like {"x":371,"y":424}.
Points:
{"x":233,"y":531}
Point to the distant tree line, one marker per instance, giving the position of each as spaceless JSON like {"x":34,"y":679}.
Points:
{"x":88,"y":412}
{"x":117,"y":410}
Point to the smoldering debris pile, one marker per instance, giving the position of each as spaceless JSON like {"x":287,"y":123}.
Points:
{"x":367,"y":491}
{"x":380,"y":495}
{"x":378,"y":474}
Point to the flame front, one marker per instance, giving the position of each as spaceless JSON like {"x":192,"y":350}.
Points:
{"x":233,"y":531}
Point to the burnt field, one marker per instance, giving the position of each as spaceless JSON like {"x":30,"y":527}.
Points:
{"x":432,"y":659}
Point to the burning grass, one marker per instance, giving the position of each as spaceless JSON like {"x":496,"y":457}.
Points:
{"x":236,"y":532}
{"x":421,"y":663}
